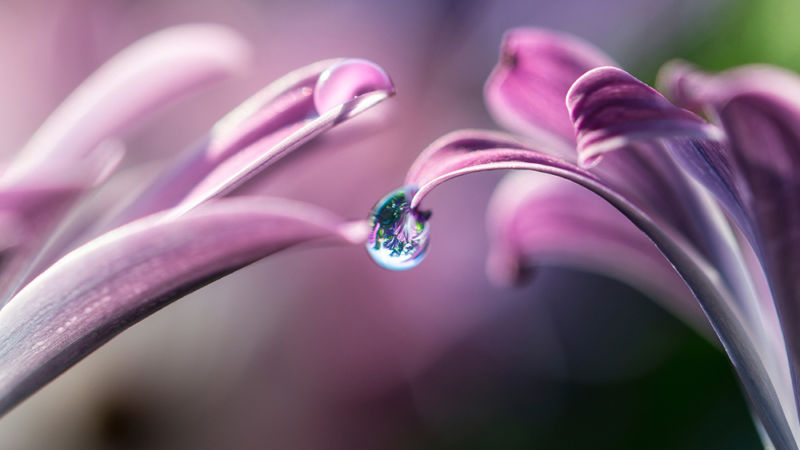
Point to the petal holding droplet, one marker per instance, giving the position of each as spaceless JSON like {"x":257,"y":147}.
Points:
{"x":736,"y":333}
{"x":347,"y":80}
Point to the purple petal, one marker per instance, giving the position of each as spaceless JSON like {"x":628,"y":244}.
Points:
{"x":105,"y":286}
{"x":759,"y":109}
{"x":526,"y":90}
{"x":741,"y":341}
{"x":72,"y":148}
{"x":536,"y":219}
{"x":641,"y":136}
{"x":269,"y":125}
{"x":610,"y":108}
{"x":141,"y":78}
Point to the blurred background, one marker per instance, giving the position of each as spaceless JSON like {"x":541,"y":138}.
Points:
{"x":319,"y":348}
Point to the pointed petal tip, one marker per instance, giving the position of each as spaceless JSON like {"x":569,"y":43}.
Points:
{"x":525,"y":91}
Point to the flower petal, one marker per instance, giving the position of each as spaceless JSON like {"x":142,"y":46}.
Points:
{"x":759,"y":109}
{"x":264,"y":128}
{"x":534,"y":218}
{"x":642,"y":138}
{"x":610,"y":108}
{"x":139,"y":79}
{"x":267,"y":126}
{"x":526,"y":90}
{"x":754,"y":367}
{"x":105,"y":286}
{"x":72,"y":151}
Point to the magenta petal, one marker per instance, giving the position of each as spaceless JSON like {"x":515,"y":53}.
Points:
{"x":759,"y":109}
{"x":526,"y":90}
{"x":266,"y":127}
{"x":538,"y":219}
{"x":73,"y":151}
{"x":610,"y":108}
{"x":107,"y":285}
{"x":736,"y":331}
{"x":144,"y":76}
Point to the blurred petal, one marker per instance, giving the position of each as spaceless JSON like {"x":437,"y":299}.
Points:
{"x":71,"y":152}
{"x":148,"y":74}
{"x":105,"y":286}
{"x":450,"y":160}
{"x":535,"y":219}
{"x":526,"y":90}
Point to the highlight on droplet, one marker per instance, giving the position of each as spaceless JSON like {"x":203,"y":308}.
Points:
{"x":399,"y":235}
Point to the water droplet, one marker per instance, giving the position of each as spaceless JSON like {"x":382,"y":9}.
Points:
{"x":346,"y":80}
{"x":399,"y":235}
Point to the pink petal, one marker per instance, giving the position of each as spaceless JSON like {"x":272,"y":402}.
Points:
{"x":141,"y":78}
{"x":735,"y":330}
{"x":759,"y":109}
{"x":266,"y":127}
{"x":105,"y":286}
{"x":526,"y":90}
{"x":535,"y":219}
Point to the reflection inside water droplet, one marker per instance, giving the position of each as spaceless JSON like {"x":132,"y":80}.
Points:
{"x":399,"y":235}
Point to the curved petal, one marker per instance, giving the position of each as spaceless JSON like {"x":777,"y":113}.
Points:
{"x":273,"y":122}
{"x":610,"y":108}
{"x":703,"y":279}
{"x":142,"y":77}
{"x":759,"y":109}
{"x":526,"y":90}
{"x":73,"y":150}
{"x":270,"y":124}
{"x":534,"y":218}
{"x":105,"y":286}
{"x":641,"y":136}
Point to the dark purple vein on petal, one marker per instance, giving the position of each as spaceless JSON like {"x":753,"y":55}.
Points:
{"x":105,"y":286}
{"x":705,"y":282}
